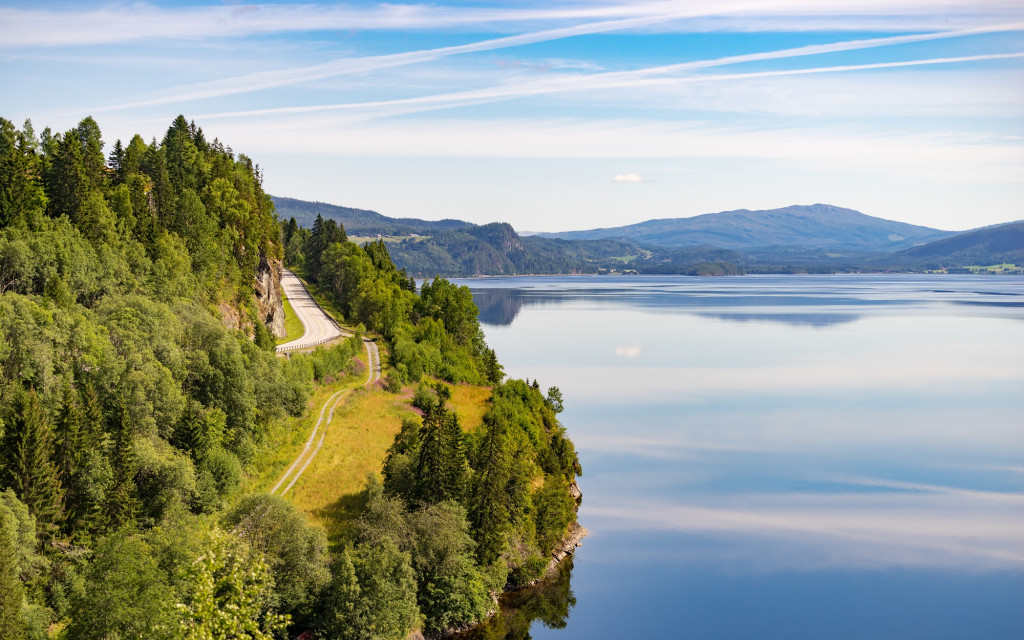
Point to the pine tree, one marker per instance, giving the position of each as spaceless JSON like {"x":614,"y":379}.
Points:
{"x":92,"y":431}
{"x":121,"y":502}
{"x":314,"y":248}
{"x":87,"y":494}
{"x":488,"y":514}
{"x":30,"y":468}
{"x":430,"y":485}
{"x":116,"y":161}
{"x":455,"y":466}
{"x":441,"y":469}
{"x":68,"y":184}
{"x":21,"y":194}
{"x":67,"y":436}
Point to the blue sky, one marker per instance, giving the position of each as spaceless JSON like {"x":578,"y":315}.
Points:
{"x":559,"y":115}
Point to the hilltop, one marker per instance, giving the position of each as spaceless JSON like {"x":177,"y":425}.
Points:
{"x":819,"y":238}
{"x":821,"y":226}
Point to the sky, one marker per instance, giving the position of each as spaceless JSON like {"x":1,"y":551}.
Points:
{"x":558,"y":115}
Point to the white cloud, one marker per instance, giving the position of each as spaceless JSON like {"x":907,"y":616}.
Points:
{"x":956,"y":158}
{"x":627,"y":177}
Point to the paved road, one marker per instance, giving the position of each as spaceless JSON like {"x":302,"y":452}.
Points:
{"x":319,"y":327}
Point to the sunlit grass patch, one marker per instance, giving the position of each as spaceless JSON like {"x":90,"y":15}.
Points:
{"x":470,"y":404}
{"x":364,"y":426}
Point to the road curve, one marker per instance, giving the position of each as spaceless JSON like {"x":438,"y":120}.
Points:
{"x":319,"y":326}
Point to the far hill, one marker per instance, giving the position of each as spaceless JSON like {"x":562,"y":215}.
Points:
{"x":360,"y":222}
{"x":458,"y":248}
{"x":819,"y":226}
{"x":496,"y":249}
{"x":989,"y":245}
{"x":817,"y":238}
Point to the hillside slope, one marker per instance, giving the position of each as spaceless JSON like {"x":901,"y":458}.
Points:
{"x":360,"y":222}
{"x":819,"y":226}
{"x":989,"y":245}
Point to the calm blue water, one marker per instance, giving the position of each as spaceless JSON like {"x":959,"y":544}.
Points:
{"x":784,"y":456}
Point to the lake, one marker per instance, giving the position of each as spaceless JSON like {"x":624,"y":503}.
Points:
{"x":780,"y":456}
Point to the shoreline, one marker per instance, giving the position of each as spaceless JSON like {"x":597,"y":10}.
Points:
{"x":571,"y":541}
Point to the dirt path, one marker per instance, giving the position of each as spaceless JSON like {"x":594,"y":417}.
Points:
{"x":307,"y":454}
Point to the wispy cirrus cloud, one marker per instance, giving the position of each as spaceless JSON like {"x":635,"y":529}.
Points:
{"x":116,"y":23}
{"x":595,"y":82}
{"x":561,"y":83}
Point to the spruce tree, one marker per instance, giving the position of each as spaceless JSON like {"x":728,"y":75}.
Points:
{"x":30,"y":469}
{"x":455,"y":467}
{"x":87,"y":495}
{"x":430,"y":485}
{"x":488,"y":512}
{"x":314,"y":248}
{"x":67,"y":436}
{"x":121,"y":502}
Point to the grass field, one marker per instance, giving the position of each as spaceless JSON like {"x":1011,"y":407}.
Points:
{"x":357,"y":439}
{"x":293,"y":328}
{"x":997,"y":268}
{"x":470,"y":403}
{"x":364,"y":426}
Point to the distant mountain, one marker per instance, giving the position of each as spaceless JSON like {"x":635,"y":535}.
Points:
{"x":986,"y":246}
{"x":818,"y":226}
{"x":458,"y":248}
{"x":818,"y":238}
{"x":360,"y":222}
{"x":496,"y":249}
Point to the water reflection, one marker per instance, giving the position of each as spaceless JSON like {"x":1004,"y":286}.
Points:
{"x":548,"y":602}
{"x":502,"y":299}
{"x":774,"y":457}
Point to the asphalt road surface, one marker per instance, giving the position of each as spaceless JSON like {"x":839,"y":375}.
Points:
{"x":319,"y":327}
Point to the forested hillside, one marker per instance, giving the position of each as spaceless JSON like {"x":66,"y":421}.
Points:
{"x":139,"y":391}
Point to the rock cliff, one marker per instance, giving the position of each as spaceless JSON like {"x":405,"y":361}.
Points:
{"x":269,"y":303}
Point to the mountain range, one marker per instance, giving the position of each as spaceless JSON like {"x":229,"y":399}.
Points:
{"x":818,"y":226}
{"x":799,"y":238}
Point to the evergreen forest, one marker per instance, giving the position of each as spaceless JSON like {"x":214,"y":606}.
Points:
{"x":140,"y":389}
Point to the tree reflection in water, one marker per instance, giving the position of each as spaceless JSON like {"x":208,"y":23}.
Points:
{"x":548,"y":601}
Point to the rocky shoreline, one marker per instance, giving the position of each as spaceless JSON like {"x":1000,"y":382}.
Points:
{"x":572,"y":540}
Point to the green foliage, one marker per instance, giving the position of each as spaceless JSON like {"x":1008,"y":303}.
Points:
{"x":296,"y":551}
{"x":372,"y":595}
{"x":130,"y":409}
{"x":29,"y":467}
{"x":124,"y":593}
{"x":11,"y":588}
{"x":230,"y":589}
{"x":450,"y":588}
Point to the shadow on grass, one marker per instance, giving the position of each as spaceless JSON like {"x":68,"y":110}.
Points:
{"x":340,"y":517}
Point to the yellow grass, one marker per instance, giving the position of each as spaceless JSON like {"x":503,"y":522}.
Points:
{"x":470,"y":404}
{"x":365,"y":423}
{"x":364,"y":426}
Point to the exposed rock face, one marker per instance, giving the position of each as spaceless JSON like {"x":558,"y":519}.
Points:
{"x":573,"y":538}
{"x":269,"y":304}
